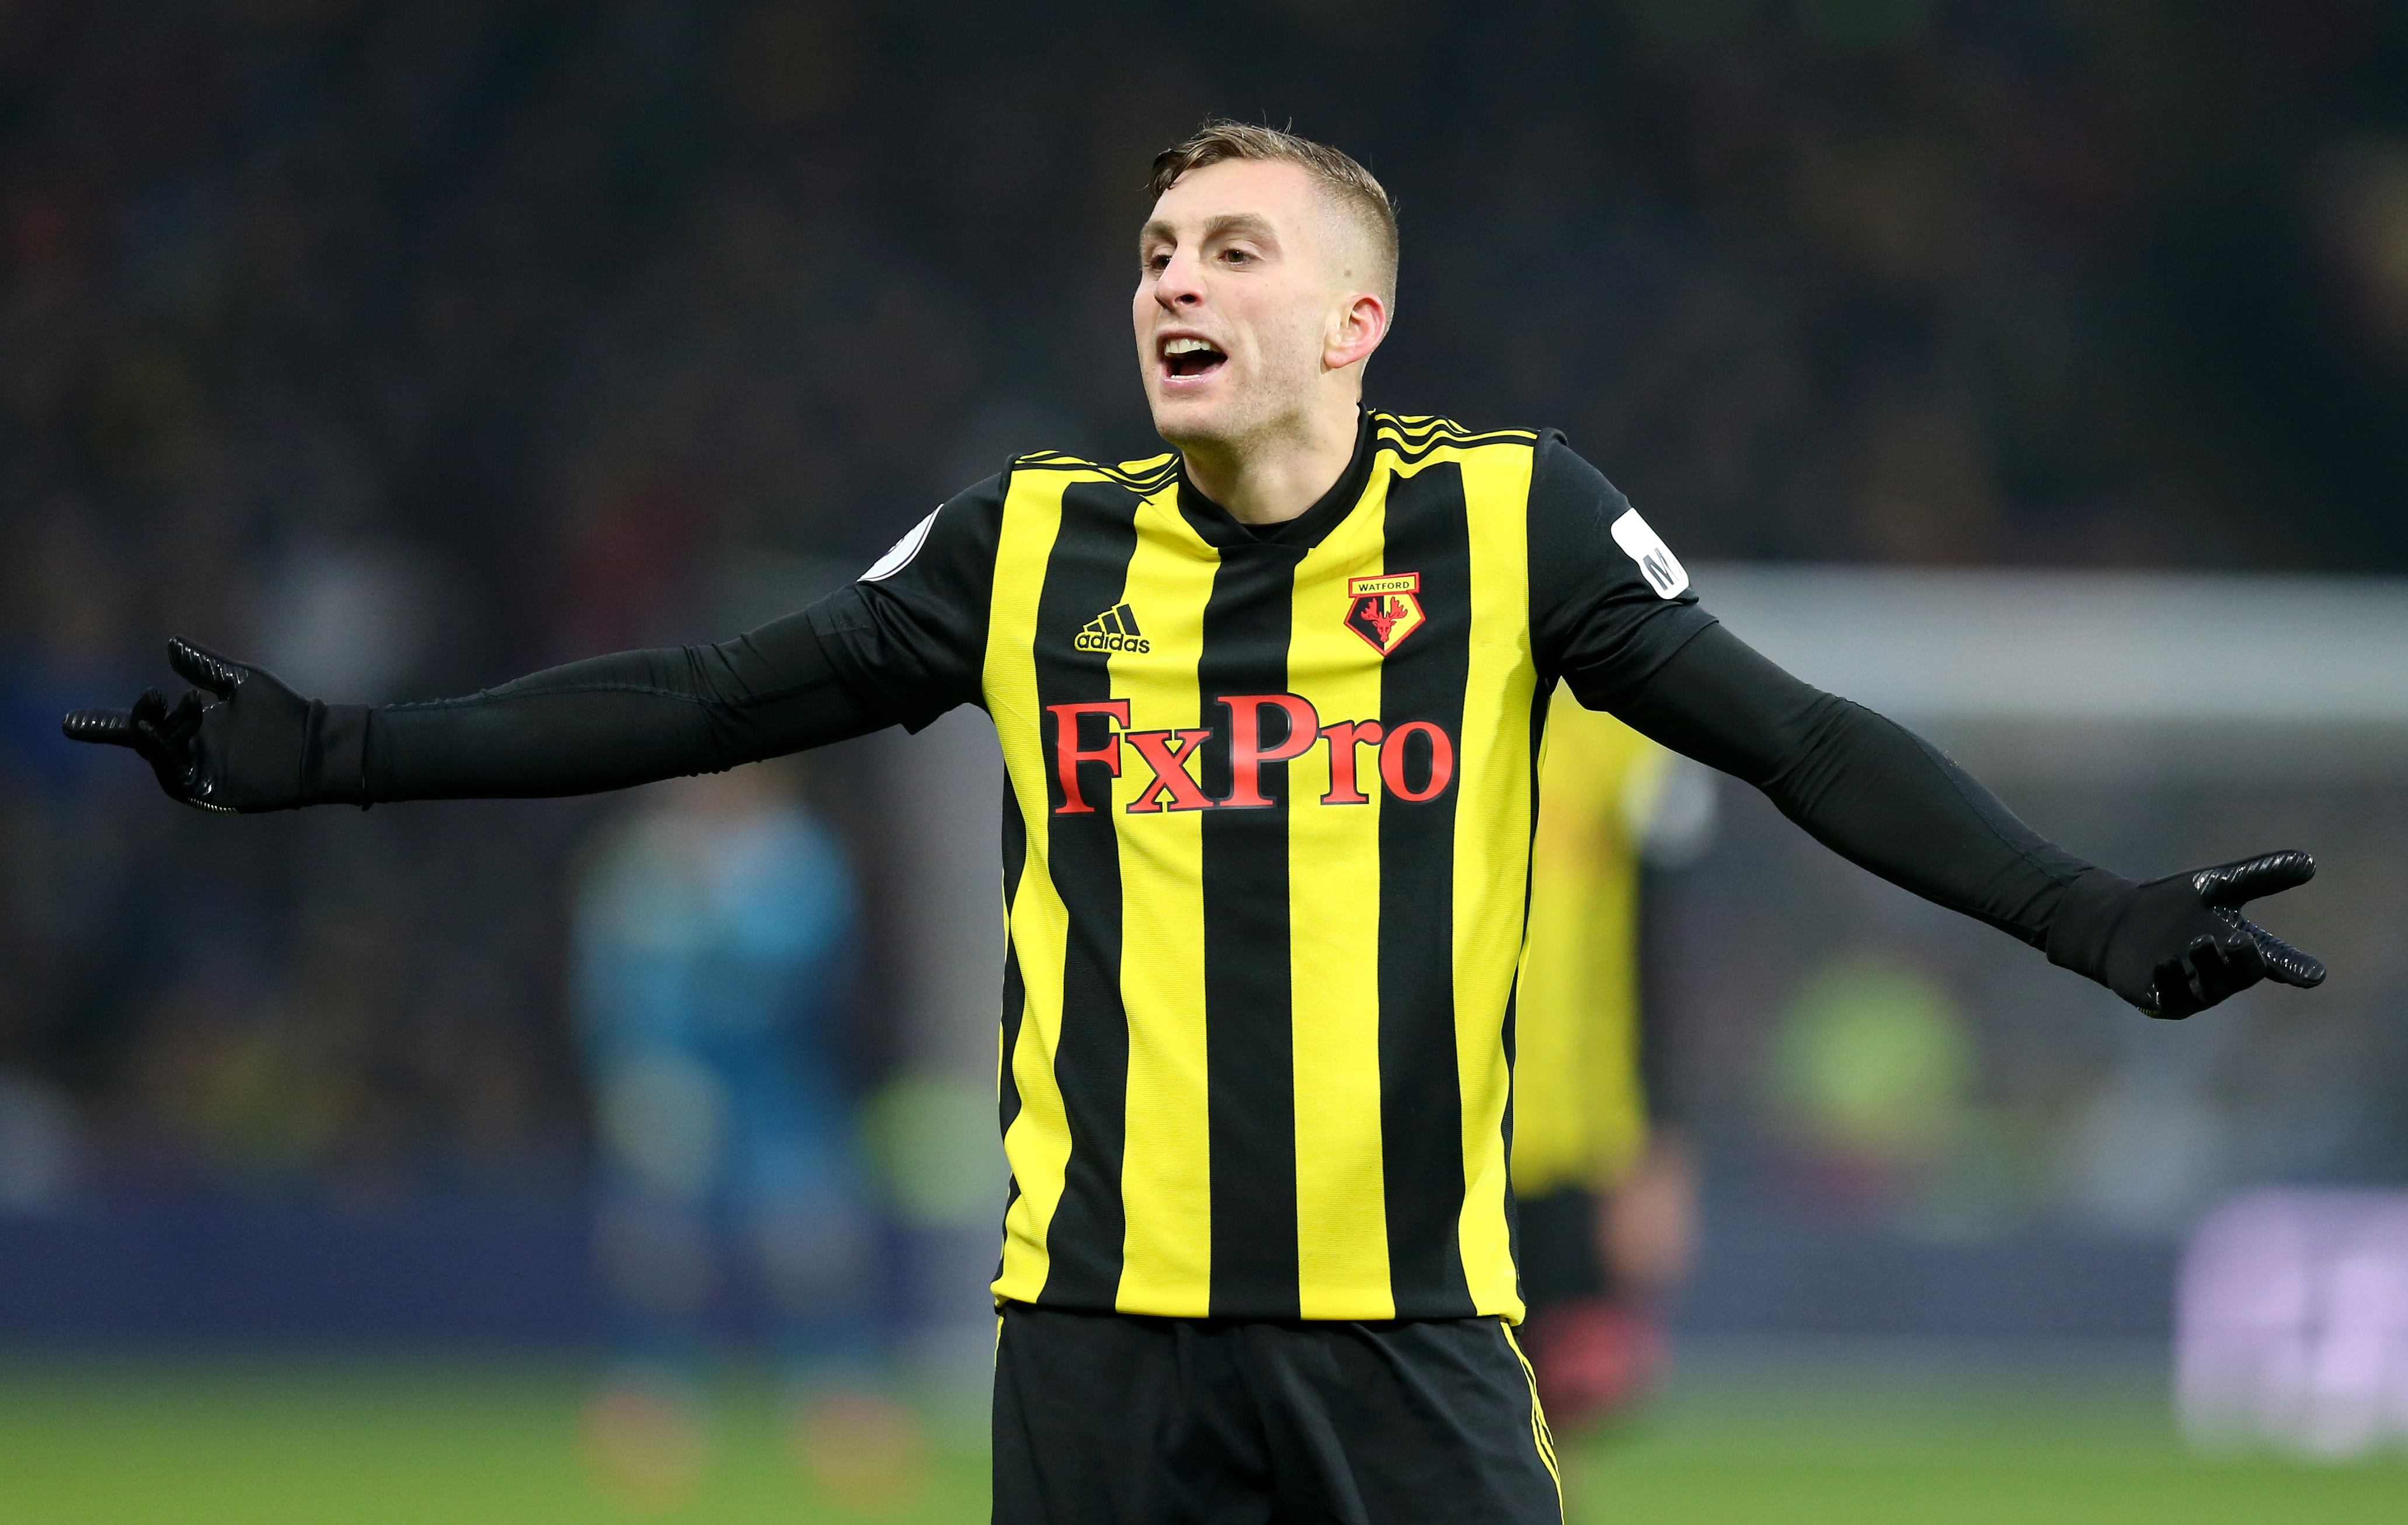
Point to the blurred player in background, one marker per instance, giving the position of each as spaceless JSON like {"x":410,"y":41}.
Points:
{"x":1602,"y":1177}
{"x":713,"y":937}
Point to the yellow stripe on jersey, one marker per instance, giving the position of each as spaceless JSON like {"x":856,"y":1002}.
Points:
{"x":1492,"y":835}
{"x":1578,"y":1117}
{"x":1340,"y":1201}
{"x":1038,"y":1140}
{"x":1165,"y":1161}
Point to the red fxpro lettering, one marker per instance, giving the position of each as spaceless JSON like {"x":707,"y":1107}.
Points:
{"x":1166,"y":753}
{"x":1441,"y":761}
{"x":1068,"y":753}
{"x":1247,"y":753}
{"x":1414,"y":750}
{"x":1344,"y":738}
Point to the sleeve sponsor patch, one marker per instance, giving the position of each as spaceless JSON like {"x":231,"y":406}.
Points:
{"x":899,"y":555}
{"x":1642,"y":545}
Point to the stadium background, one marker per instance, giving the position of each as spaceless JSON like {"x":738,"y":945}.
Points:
{"x":407,"y":348}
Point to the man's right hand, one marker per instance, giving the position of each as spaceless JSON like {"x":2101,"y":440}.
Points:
{"x":252,"y":744}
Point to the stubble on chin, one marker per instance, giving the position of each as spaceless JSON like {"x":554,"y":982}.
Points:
{"x":1208,"y":429}
{"x":1241,"y":425}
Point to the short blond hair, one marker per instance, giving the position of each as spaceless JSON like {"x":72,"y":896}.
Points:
{"x":1348,"y":183}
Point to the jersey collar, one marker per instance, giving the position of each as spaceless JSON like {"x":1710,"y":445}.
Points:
{"x":1222,"y":532}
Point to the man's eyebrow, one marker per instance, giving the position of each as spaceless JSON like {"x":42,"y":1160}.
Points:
{"x":1248,"y":223}
{"x":1245,"y":222}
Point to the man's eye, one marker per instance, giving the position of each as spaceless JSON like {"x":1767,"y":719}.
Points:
{"x":1237,"y":256}
{"x":1157,"y":264}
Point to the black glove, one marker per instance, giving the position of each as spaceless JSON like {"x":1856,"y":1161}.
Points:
{"x":2179,"y":945}
{"x":258,"y":747}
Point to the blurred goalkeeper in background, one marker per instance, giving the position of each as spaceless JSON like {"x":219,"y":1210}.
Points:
{"x":713,"y":943}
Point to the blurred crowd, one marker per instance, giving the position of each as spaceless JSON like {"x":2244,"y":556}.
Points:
{"x":405,"y":348}
{"x":1878,"y":1060}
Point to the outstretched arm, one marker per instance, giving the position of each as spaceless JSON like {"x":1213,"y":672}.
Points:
{"x":247,"y":743}
{"x":1613,"y":611}
{"x":900,"y":645}
{"x":1884,"y":798}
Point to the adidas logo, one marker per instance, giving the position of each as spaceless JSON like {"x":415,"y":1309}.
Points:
{"x":1114,"y":629}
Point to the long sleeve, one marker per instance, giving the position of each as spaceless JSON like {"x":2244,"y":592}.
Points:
{"x":1863,"y":786}
{"x":902,"y":645}
{"x":630,"y":718}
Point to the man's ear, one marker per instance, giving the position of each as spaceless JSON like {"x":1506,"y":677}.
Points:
{"x":1354,"y":331}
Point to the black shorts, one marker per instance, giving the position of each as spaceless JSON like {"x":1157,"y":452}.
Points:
{"x":1104,"y":1418}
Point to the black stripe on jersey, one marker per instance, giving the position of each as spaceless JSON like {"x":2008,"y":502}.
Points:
{"x":1248,"y":1007}
{"x":1417,"y":427}
{"x":1412,"y":451}
{"x":1477,"y":437}
{"x":1086,"y":572}
{"x":1513,"y":1057}
{"x":1153,"y":480}
{"x":1420,"y":1097}
{"x":1015,"y":992}
{"x":1425,"y":424}
{"x":1015,"y":989}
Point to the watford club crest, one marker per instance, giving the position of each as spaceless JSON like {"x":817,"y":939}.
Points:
{"x":1385,"y":609}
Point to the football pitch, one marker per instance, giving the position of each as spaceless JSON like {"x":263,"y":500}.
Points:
{"x":1741,"y":1439}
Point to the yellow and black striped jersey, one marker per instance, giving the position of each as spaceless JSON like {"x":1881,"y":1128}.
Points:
{"x":1266,"y":849}
{"x":1580,"y":1114}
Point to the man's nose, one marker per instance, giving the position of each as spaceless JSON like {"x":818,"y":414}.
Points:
{"x":1179,"y":284}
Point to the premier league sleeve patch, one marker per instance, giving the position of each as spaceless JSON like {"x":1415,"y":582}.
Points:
{"x":899,"y":555}
{"x":1642,"y":545}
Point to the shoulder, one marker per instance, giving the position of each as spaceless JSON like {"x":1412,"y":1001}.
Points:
{"x":1561,"y":481}
{"x":1045,"y":472}
{"x":961,"y":538}
{"x":1568,"y":493}
{"x":1580,"y":521}
{"x":1410,"y":438}
{"x":956,"y":541}
{"x":1146,"y":476}
{"x":966,"y":526}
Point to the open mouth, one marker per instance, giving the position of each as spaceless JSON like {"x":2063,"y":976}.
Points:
{"x":1191,"y":357}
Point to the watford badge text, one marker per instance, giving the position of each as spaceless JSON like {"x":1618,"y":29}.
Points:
{"x":1385,"y":609}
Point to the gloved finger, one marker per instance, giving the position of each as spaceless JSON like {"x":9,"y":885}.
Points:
{"x":2225,"y":969}
{"x":203,"y":669}
{"x":142,"y":726}
{"x":112,"y":727}
{"x":184,"y":719}
{"x":170,"y":729}
{"x":164,"y":737}
{"x":142,"y":721}
{"x":2170,"y":995}
{"x":2234,"y":885}
{"x":155,"y":748}
{"x":2286,"y":964}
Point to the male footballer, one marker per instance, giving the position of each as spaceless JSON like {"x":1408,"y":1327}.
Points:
{"x":1269,"y":706}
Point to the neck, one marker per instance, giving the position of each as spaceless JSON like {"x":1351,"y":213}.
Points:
{"x":1272,"y":477}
